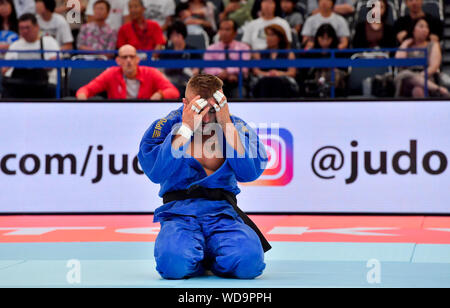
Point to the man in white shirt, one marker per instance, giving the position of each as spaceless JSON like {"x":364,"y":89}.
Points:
{"x":53,"y":24}
{"x":159,"y":11}
{"x":30,"y":40}
{"x":118,"y":14}
{"x":325,"y":15}
{"x":254,"y":34}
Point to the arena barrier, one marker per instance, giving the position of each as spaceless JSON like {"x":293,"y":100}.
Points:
{"x":325,"y":156}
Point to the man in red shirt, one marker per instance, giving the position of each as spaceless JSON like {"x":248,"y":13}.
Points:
{"x":143,"y":34}
{"x":129,"y":80}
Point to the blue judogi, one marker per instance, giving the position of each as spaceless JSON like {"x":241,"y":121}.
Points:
{"x":199,"y":234}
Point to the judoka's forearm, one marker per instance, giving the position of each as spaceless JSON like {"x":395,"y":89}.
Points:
{"x":179,"y":141}
{"x":232,"y":137}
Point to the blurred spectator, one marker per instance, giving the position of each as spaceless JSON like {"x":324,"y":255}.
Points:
{"x":98,"y":35}
{"x":160,"y":11}
{"x":293,"y":17}
{"x":8,"y":24}
{"x":275,"y":82}
{"x":183,"y":14}
{"x":129,"y":80}
{"x":318,"y":82}
{"x":325,"y":16}
{"x":143,"y":34}
{"x":230,"y":75}
{"x":403,"y":24}
{"x":24,"y":6}
{"x":53,"y":24}
{"x":200,"y":12}
{"x":341,"y":7}
{"x":75,"y":13}
{"x":375,"y":34}
{"x":176,"y":34}
{"x":240,"y":11}
{"x":118,"y":15}
{"x":411,"y":81}
{"x":254,"y":31}
{"x":37,"y":82}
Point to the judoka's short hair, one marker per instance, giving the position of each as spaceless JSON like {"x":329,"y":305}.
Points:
{"x":204,"y":85}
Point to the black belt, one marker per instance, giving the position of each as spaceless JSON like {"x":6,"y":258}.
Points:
{"x":215,"y":194}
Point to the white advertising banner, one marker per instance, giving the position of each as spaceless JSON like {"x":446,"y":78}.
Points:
{"x":365,"y":157}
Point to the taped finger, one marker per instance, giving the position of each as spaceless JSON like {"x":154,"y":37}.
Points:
{"x":202,"y":102}
{"x":195,"y":109}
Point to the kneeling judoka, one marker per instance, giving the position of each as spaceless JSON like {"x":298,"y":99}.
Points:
{"x":197,"y":154}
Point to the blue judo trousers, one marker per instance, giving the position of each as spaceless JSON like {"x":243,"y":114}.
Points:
{"x":200,"y":234}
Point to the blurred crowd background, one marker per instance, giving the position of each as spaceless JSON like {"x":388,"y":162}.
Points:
{"x":296,"y":30}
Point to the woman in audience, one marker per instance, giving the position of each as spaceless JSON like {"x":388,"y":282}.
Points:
{"x":378,"y":33}
{"x":275,"y":82}
{"x":319,"y":79}
{"x":8,"y":24}
{"x":253,"y":32}
{"x":411,"y":81}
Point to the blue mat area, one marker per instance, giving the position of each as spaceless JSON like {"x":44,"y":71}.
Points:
{"x":289,"y":264}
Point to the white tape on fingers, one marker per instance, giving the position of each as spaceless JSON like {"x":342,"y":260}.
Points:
{"x":216,"y":107}
{"x":218,"y":96}
{"x":195,"y":109}
{"x":202,"y":102}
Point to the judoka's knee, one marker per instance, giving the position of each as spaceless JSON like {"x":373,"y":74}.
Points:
{"x":250,"y":265}
{"x":176,"y":265}
{"x":244,"y":262}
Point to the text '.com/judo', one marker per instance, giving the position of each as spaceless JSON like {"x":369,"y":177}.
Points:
{"x":96,"y":161}
{"x":328,"y":160}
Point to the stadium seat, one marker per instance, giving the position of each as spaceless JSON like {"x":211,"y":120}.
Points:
{"x":78,"y":77}
{"x":359,"y":74}
{"x":199,"y":41}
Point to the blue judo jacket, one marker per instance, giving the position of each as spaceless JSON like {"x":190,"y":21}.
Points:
{"x":175,"y":170}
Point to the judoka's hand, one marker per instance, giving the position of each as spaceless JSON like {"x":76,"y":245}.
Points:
{"x":223,"y":115}
{"x":190,"y":116}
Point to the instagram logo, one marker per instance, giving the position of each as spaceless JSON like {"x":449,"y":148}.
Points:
{"x":280,"y":167}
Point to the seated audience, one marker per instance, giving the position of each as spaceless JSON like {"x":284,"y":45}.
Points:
{"x":318,"y":80}
{"x":325,"y":16}
{"x":8,"y":24}
{"x":227,"y":42}
{"x":37,"y":82}
{"x":160,"y":11}
{"x":97,"y":34}
{"x":130,"y":80}
{"x":143,"y":34}
{"x":177,"y":33}
{"x":293,"y":17}
{"x":240,"y":11}
{"x":275,"y":82}
{"x":375,"y":34}
{"x":75,"y":14}
{"x":342,"y":7}
{"x":254,"y":31}
{"x":415,"y":11}
{"x":118,"y":15}
{"x":24,"y":6}
{"x":411,"y":81}
{"x":54,"y":24}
